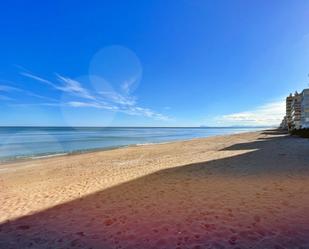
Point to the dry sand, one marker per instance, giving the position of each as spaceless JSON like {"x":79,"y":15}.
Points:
{"x":240,"y":191}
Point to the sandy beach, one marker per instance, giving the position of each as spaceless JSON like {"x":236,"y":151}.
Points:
{"x":241,"y":191}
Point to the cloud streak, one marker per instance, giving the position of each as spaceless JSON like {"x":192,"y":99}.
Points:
{"x":127,"y":84}
{"x":5,"y":88}
{"x":37,"y":78}
{"x":73,"y":87}
{"x":267,"y":114}
{"x":10,"y":89}
{"x":67,"y":85}
{"x":118,"y":98}
{"x":108,"y":100}
{"x":91,"y":104}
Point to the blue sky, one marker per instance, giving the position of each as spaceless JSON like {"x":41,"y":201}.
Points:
{"x":151,"y":63}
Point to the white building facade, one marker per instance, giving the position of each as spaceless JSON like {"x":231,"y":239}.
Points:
{"x":296,"y":111}
{"x":305,"y":108}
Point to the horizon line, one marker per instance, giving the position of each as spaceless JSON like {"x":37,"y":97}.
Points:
{"x":201,"y":126}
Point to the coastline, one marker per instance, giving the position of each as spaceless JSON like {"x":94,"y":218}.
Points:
{"x":26,"y":143}
{"x":26,"y":159}
{"x":245,"y":189}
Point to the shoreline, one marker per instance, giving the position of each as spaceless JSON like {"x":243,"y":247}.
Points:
{"x":87,"y":151}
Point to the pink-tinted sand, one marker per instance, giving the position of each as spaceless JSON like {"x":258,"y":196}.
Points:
{"x":255,"y":199}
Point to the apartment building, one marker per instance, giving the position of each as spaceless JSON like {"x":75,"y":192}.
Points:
{"x":288,"y":115}
{"x":296,"y":111}
{"x":305,"y":108}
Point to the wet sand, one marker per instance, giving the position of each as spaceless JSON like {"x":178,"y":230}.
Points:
{"x":243,"y":191}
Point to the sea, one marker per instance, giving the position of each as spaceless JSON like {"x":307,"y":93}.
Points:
{"x":17,"y":143}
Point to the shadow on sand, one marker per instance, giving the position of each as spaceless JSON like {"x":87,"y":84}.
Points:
{"x":258,"y":199}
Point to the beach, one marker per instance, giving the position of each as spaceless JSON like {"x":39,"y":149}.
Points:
{"x":248,"y":190}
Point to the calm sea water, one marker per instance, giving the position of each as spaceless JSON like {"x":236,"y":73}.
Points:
{"x":33,"y":142}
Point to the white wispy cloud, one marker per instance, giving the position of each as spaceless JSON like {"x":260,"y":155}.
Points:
{"x":127,"y":84}
{"x":140,"y":111}
{"x":92,"y":104}
{"x":108,"y":100}
{"x":267,"y":114}
{"x":32,"y":94}
{"x":74,"y":87}
{"x":37,"y":78}
{"x":130,"y":110}
{"x":67,"y":85}
{"x":118,"y":98}
{"x":9,"y":89}
{"x":5,"y":88}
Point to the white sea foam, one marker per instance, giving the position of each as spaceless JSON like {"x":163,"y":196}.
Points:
{"x":47,"y":156}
